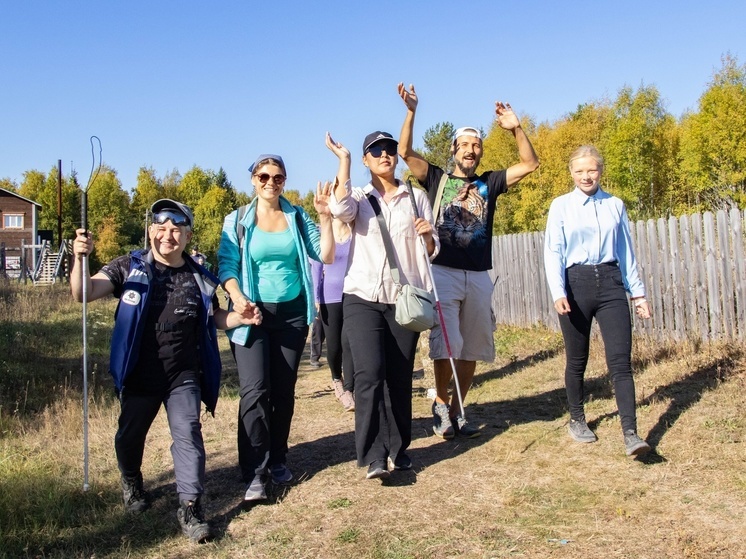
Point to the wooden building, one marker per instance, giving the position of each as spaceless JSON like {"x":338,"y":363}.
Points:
{"x":19,"y":221}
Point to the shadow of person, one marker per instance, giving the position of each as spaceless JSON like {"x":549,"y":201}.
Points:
{"x":682,"y":394}
{"x":517,"y":365}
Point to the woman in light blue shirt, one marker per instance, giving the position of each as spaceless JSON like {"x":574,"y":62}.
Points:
{"x":590,"y":268}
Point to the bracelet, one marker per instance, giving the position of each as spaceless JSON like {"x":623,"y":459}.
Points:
{"x":640,"y":301}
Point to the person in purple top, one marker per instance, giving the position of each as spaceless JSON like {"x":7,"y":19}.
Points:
{"x":328,"y":282}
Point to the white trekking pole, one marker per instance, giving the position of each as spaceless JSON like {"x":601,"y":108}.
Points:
{"x":84,"y":268}
{"x":437,"y":304}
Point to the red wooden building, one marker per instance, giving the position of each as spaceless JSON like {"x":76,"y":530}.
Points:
{"x":19,"y":220}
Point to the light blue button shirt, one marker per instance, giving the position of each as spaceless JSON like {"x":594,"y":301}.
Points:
{"x":584,"y":229}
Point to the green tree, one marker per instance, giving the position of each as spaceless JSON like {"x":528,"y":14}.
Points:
{"x":109,"y":204}
{"x":32,"y":185}
{"x":437,"y":149}
{"x":525,"y":206}
{"x":43,"y":189}
{"x":209,"y":214}
{"x":293,"y":196}
{"x":221,"y":180}
{"x":193,"y":186}
{"x":170,"y":185}
{"x":148,"y":190}
{"x":109,"y":241}
{"x":633,"y":144}
{"x":307,"y":204}
{"x":713,"y":143}
{"x":9,"y":185}
{"x":438,"y":140}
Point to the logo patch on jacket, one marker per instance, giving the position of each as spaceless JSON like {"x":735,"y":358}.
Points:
{"x":131,"y":297}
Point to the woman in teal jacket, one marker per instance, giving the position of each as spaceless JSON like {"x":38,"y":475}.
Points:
{"x":263,"y":263}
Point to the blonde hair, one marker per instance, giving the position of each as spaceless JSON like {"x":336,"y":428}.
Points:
{"x":587,"y":151}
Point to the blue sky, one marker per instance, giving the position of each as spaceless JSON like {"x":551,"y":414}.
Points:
{"x":169,"y":85}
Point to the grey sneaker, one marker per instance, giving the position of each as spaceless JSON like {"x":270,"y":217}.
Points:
{"x":442,"y":421}
{"x":377,"y":470}
{"x":136,"y":499}
{"x":462,"y":427}
{"x":280,"y":474}
{"x":256,"y":490}
{"x":192,"y":521}
{"x":634,"y":445}
{"x":580,"y":431}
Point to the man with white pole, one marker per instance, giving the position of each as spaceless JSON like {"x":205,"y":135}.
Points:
{"x":463,"y":206}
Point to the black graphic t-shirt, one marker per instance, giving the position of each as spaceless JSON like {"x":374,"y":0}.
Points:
{"x":465,"y":226}
{"x":168,"y":354}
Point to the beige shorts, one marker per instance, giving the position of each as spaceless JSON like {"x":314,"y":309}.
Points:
{"x":466,"y":303}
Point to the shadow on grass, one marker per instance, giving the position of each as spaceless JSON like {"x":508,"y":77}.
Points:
{"x":517,"y":365}
{"x":95,"y":523}
{"x":682,"y":394}
{"x":91,"y":524}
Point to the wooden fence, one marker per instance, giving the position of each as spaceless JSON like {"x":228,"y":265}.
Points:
{"x":693,"y":267}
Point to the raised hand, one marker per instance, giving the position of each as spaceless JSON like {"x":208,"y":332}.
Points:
{"x":321,"y":196}
{"x":506,"y":118}
{"x":409,"y":97}
{"x":337,"y":148}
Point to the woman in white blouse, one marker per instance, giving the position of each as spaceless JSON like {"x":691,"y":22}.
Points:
{"x":382,"y":351}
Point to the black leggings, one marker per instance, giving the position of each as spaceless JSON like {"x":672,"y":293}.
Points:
{"x":598,"y":291}
{"x":267,"y":371}
{"x":337,"y":345}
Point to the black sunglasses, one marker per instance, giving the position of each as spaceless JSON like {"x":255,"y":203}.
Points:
{"x":376,"y":150}
{"x":278,"y":179}
{"x":177,"y":218}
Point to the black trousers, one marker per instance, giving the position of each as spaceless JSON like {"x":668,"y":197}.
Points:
{"x":267,"y":371}
{"x":382,"y":354}
{"x":317,"y":338}
{"x":598,"y":292}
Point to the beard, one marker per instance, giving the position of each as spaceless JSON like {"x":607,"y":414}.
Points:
{"x":468,"y":167}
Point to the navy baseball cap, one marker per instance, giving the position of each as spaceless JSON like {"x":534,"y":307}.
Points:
{"x":377,"y":136}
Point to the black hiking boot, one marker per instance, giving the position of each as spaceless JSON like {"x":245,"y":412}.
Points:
{"x":136,"y":499}
{"x":192,"y":521}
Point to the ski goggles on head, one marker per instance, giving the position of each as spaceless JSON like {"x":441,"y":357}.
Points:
{"x":176,"y":217}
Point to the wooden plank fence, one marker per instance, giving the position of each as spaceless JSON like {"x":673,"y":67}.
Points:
{"x":693,"y":267}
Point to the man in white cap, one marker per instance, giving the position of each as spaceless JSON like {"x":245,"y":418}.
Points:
{"x":164,"y":352}
{"x":463,"y":205}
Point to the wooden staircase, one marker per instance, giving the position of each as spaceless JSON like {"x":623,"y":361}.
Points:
{"x":48,"y":266}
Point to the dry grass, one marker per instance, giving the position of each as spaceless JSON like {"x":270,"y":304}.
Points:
{"x":523,"y":489}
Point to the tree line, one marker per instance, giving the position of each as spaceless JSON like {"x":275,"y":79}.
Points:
{"x":659,"y":165}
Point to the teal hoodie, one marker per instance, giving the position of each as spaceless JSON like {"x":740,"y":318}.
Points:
{"x":234,"y":261}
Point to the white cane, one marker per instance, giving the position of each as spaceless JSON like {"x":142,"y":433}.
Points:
{"x":437,"y":305}
{"x":84,"y":269}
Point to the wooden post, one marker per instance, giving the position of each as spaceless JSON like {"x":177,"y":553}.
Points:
{"x":59,"y":202}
